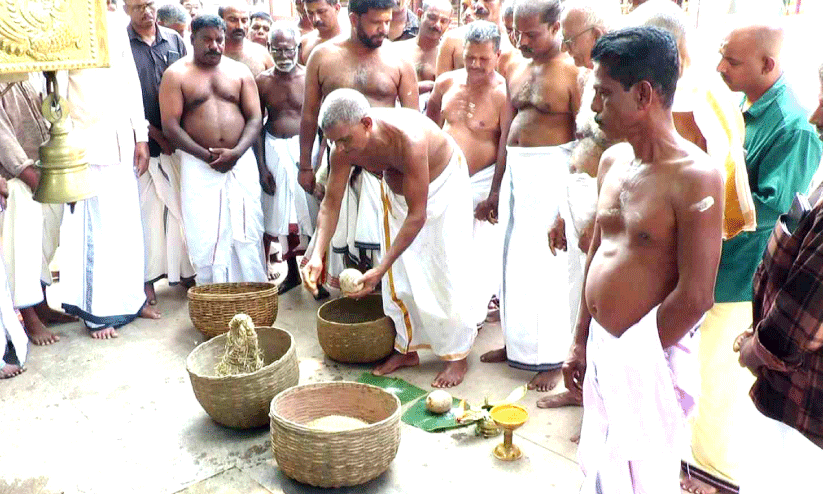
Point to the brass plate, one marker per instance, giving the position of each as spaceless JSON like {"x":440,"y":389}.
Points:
{"x":41,"y":35}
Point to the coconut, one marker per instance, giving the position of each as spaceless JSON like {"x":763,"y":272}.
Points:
{"x":439,"y":401}
{"x":351,"y":280}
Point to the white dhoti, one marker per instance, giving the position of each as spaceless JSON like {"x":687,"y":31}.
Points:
{"x":22,"y":230}
{"x":364,"y":241}
{"x":102,"y":251}
{"x":488,"y":246}
{"x":578,"y":215}
{"x":536,"y":324}
{"x":223,"y":220}
{"x":52,"y":219}
{"x":633,"y":425}
{"x":165,"y":247}
{"x":357,"y":236}
{"x":290,"y":204}
{"x":428,"y":290}
{"x":12,"y":329}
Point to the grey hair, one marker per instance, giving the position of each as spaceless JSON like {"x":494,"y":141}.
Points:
{"x":548,"y":10}
{"x":666,"y":15}
{"x":172,"y":14}
{"x":508,"y":8}
{"x":482,"y":32}
{"x":342,"y":106}
{"x":287,"y":27}
{"x":597,"y":13}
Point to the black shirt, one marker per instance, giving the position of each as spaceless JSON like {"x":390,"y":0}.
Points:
{"x":151,"y":62}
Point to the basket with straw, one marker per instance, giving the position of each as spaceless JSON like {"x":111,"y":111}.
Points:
{"x":211,"y":307}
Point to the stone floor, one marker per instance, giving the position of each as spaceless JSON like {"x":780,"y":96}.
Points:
{"x":119,"y":416}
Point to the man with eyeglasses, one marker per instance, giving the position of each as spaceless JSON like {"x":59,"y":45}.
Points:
{"x":435,"y":17}
{"x":288,"y":211}
{"x":583,"y":23}
{"x":238,"y":47}
{"x":323,"y":16}
{"x":155,"y":48}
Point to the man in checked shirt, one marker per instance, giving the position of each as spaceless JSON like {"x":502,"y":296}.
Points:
{"x":785,"y":353}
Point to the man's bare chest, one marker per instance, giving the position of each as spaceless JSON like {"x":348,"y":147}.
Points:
{"x":377,"y":80}
{"x":539,"y":89}
{"x":475,"y":111}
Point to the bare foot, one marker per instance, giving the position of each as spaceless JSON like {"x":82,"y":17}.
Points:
{"x":51,"y":316}
{"x":545,"y":381}
{"x":396,"y":361}
{"x":691,"y":484}
{"x":452,"y":375}
{"x":148,"y":312}
{"x":564,"y":399}
{"x":35,"y":329}
{"x":151,"y":296}
{"x":9,"y":370}
{"x":103,"y":334}
{"x":494,"y":356}
{"x":493,"y":314}
{"x":187,"y":282}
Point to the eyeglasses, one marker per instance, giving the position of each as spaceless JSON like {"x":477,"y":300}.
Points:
{"x":568,"y":41}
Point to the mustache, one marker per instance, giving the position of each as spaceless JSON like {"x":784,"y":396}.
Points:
{"x":239,"y":31}
{"x":213,"y":52}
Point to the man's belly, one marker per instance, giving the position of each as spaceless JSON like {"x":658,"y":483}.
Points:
{"x":622,"y":288}
{"x":284,"y":127}
{"x":533,"y":128}
{"x":480,"y":153}
{"x":215,"y":125}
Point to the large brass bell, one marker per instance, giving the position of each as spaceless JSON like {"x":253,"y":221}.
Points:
{"x":64,"y":173}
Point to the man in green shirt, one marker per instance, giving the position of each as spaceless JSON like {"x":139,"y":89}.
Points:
{"x":782,"y":154}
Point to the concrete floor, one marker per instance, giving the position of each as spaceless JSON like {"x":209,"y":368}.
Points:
{"x":119,"y":416}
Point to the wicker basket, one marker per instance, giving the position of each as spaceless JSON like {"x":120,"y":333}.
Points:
{"x":355,"y":331}
{"x":242,"y":401}
{"x":334,"y":459}
{"x":211,"y":307}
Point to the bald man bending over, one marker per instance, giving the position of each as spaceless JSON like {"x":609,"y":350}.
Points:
{"x":425,"y":272}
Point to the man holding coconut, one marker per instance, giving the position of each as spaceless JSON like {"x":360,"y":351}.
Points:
{"x":427,"y":227}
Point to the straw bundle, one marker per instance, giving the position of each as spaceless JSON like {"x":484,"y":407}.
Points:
{"x":242,"y":355}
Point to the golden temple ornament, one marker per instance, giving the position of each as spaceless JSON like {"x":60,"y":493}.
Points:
{"x":51,"y":35}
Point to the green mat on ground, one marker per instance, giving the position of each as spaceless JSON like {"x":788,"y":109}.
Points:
{"x":401,"y":389}
{"x":419,"y":416}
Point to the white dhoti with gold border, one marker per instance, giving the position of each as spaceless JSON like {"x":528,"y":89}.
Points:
{"x":428,"y":291}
